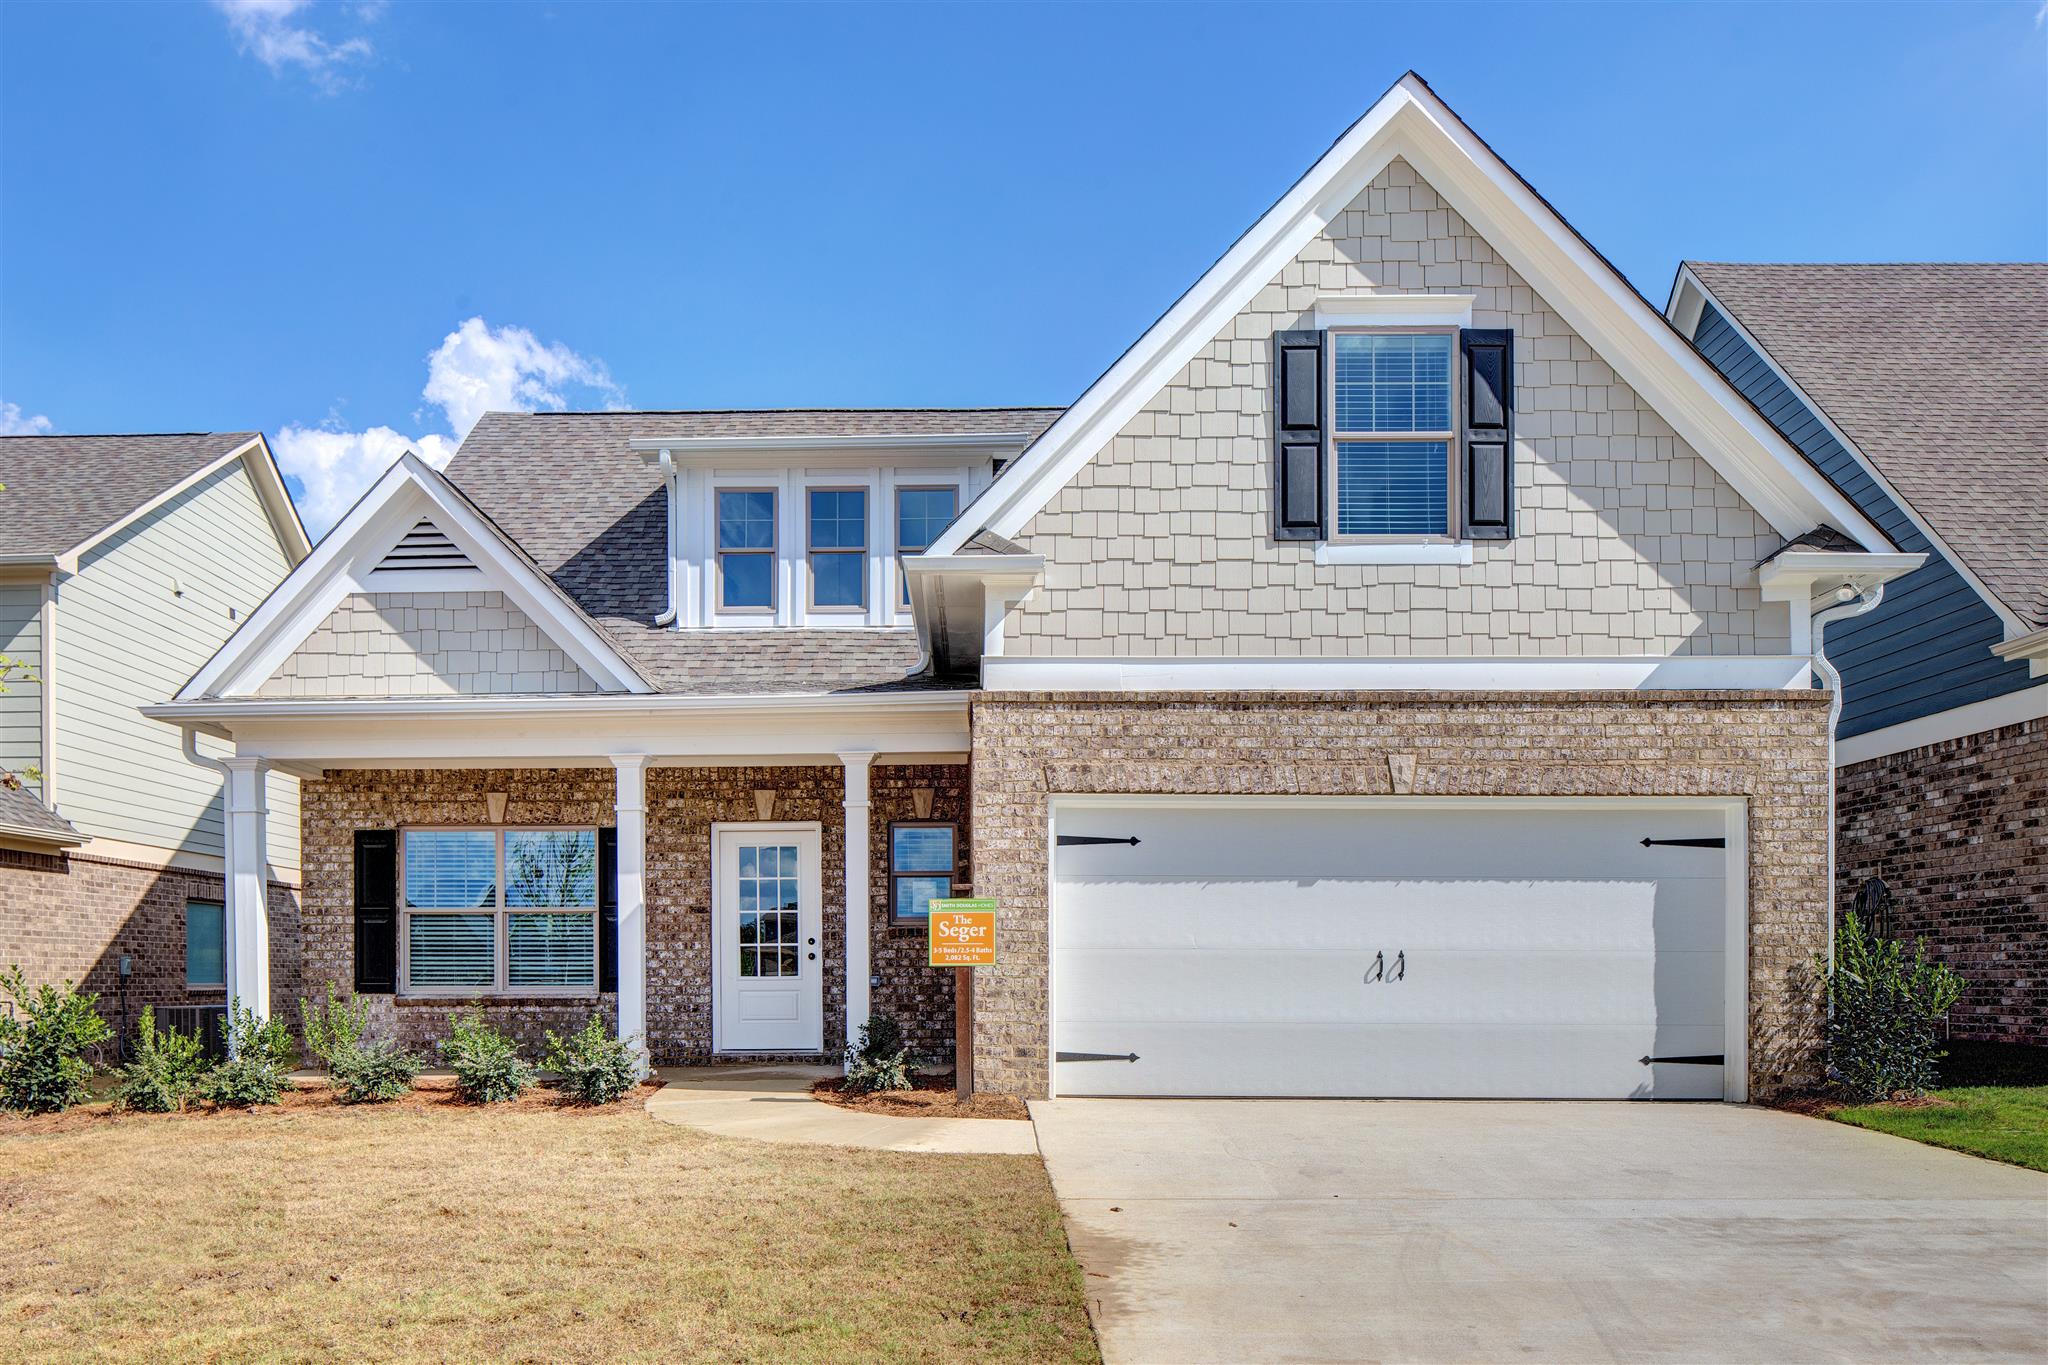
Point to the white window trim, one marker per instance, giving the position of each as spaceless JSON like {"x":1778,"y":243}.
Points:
{"x":501,"y":914}
{"x":862,"y":608}
{"x":777,"y":593}
{"x":1394,"y":552}
{"x":1334,"y":441}
{"x":1392,"y":310}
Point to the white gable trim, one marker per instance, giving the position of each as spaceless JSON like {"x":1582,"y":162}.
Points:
{"x":1412,"y":123}
{"x":270,"y":490}
{"x":345,"y":563}
{"x":1689,"y":295}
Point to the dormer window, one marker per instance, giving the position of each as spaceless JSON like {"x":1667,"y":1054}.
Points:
{"x":838,"y":536}
{"x":746,"y":549}
{"x":1393,"y":438}
{"x":921,"y":514}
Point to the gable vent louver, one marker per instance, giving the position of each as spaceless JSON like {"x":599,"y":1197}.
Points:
{"x":425,"y":546}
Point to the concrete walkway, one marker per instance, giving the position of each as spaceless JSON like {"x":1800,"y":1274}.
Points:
{"x":774,"y":1104}
{"x":1419,"y":1231}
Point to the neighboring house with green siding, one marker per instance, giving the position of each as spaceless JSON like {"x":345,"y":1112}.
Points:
{"x":125,"y":563}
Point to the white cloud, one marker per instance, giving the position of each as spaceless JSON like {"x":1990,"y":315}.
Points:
{"x":13,"y":422}
{"x":476,"y":369}
{"x":271,"y":32}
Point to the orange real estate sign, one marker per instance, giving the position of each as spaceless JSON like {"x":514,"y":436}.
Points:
{"x":962,"y":932}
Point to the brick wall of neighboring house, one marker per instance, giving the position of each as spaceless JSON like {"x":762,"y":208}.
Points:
{"x":1959,"y":833}
{"x":918,"y":995}
{"x":682,"y":805}
{"x":71,"y":918}
{"x":1767,"y":747}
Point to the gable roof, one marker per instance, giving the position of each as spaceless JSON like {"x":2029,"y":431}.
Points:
{"x":1938,"y":376}
{"x":1624,"y":329}
{"x":66,"y":493}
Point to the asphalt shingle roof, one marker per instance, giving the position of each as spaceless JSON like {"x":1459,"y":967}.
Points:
{"x":62,"y":490}
{"x":1939,"y":374}
{"x":569,"y":490}
{"x":19,"y":809}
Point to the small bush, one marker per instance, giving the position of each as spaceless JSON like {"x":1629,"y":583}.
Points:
{"x":258,"y":1065}
{"x":166,"y":1069}
{"x":879,"y":1059}
{"x":1885,"y":1008}
{"x":487,"y":1065}
{"x":42,"y":1066}
{"x":337,"y":1024}
{"x":595,"y":1066}
{"x":371,"y":1073}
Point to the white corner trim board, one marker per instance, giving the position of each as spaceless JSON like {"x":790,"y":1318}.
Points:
{"x":2014,"y":708}
{"x":1409,"y":121}
{"x":1683,"y":673}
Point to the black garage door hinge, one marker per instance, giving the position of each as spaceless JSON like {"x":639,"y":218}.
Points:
{"x":1068,"y":840}
{"x":1688,"y":843}
{"x":1715,"y":1059}
{"x":1094,"y":1057}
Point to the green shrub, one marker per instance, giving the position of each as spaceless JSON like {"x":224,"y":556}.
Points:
{"x":165,"y":1070}
{"x":1885,"y":1008}
{"x":259,"y":1062}
{"x":487,"y":1065}
{"x":336,"y":1024}
{"x":880,"y":1059}
{"x":42,"y":1063}
{"x":371,"y":1073}
{"x":595,"y":1066}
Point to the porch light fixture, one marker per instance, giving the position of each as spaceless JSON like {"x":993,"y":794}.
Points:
{"x":494,"y":802}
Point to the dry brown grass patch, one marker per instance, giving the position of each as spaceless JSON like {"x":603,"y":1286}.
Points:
{"x":932,"y":1098}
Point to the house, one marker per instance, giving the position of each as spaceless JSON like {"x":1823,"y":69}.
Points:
{"x":1922,"y":392}
{"x":125,"y":563}
{"x":1391,"y":677}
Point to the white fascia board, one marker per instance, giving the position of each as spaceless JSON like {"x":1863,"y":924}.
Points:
{"x":1798,"y":575}
{"x":346,"y":557}
{"x":703,"y":448}
{"x":1689,"y":295}
{"x":270,"y":490}
{"x":1475,"y":673}
{"x":2011,"y":708}
{"x":976,"y":566}
{"x":1409,"y":121}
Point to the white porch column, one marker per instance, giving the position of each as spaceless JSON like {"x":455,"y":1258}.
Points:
{"x":857,"y":963}
{"x":247,"y":884}
{"x":632,"y":818}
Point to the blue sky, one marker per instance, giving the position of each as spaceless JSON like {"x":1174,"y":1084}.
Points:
{"x":282,"y":214}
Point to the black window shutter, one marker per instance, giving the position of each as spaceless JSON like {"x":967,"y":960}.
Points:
{"x":608,"y":909}
{"x":1489,"y":433}
{"x":1298,"y":499}
{"x":376,"y":911}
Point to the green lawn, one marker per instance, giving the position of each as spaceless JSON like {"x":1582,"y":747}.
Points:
{"x":1995,"y":1105}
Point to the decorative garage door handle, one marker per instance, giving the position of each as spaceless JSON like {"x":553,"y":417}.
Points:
{"x":1094,"y":1057}
{"x":1380,"y":971}
{"x":1688,"y":843}
{"x":1069,"y":840}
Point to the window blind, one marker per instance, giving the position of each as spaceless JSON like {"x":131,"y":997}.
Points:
{"x":1388,"y":488}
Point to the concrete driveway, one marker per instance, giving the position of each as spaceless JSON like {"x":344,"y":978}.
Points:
{"x":1218,"y":1230}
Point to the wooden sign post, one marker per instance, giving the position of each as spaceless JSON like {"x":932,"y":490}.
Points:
{"x":961,"y":934}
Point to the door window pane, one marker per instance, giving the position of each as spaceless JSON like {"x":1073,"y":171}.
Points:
{"x":451,"y":869}
{"x":206,"y":960}
{"x":769,"y":910}
{"x":452,"y":950}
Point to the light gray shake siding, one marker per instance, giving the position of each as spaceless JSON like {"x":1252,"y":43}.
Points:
{"x":146,"y":608}
{"x":421,"y":644}
{"x":1627,"y":542}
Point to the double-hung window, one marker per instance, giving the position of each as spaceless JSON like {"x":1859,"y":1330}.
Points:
{"x":489,"y":910}
{"x":921,"y":514}
{"x":746,"y":549}
{"x":922,"y":863}
{"x":838,"y":547}
{"x":1393,"y":433}
{"x":206,"y":945}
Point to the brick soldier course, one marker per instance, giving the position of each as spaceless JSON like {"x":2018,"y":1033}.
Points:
{"x":1769,"y":748}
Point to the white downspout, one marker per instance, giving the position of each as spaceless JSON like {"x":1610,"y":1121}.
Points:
{"x":227,"y":860}
{"x":668,"y":470}
{"x":1848,"y":604}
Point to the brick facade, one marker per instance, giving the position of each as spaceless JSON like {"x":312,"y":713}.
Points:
{"x":682,"y":805}
{"x":1959,"y":833}
{"x":1766,"y":747}
{"x":72,"y":918}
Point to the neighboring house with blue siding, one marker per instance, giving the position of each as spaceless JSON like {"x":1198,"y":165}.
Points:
{"x":125,"y":562}
{"x":1921,"y":391}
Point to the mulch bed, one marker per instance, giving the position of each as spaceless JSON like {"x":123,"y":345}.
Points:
{"x":931,"y":1099}
{"x":1820,"y":1104}
{"x":428,"y":1093}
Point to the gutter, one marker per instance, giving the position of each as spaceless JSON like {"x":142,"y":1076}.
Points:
{"x":191,"y":715}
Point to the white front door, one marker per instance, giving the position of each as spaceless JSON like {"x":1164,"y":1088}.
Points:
{"x":769,"y":978}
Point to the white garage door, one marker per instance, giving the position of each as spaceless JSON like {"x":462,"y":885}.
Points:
{"x":1444,"y":948}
